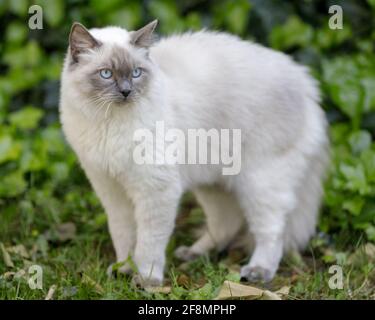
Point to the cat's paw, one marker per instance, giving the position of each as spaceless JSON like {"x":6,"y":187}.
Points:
{"x":185,"y":253}
{"x":145,"y":282}
{"x":113,"y":270}
{"x":256,"y":274}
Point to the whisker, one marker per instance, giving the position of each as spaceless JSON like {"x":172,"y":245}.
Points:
{"x":105,"y":115}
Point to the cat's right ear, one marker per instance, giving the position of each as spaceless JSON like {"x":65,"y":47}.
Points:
{"x":80,"y":40}
{"x":144,"y":37}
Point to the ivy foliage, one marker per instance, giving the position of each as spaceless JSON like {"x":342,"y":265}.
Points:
{"x":40,"y":181}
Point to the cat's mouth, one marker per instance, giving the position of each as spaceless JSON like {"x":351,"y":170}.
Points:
{"x":119,"y":99}
{"x":122,"y":99}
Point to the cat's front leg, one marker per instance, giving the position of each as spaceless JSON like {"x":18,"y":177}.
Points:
{"x":155,"y":217}
{"x":119,"y":210}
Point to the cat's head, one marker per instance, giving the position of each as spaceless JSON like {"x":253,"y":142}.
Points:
{"x":110,"y":66}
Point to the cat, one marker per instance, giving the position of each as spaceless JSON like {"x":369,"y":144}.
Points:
{"x":116,"y":82}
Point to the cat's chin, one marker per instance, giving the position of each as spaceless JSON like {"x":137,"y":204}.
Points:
{"x":119,"y":103}
{"x":123,"y":103}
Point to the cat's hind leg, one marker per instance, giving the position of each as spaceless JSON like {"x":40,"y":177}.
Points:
{"x":224,"y":220}
{"x":268,"y":196}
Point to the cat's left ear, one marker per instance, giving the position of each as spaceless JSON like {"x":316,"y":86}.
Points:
{"x":80,"y":40}
{"x":144,"y":37}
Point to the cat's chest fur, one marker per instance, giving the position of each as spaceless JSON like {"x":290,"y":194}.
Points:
{"x":107,"y":145}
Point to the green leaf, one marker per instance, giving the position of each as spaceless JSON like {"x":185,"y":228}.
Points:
{"x":166,"y":12}
{"x":19,"y":7}
{"x":341,"y":78}
{"x":19,"y":79}
{"x":53,"y":139}
{"x":53,"y":11}
{"x":27,"y":118}
{"x":370,"y":232}
{"x":333,"y":198}
{"x":59,"y":171}
{"x":371,"y":3}
{"x":129,"y":17}
{"x":101,"y":6}
{"x":327,"y":38}
{"x":29,"y":55}
{"x":233,"y":15}
{"x":368,"y":160}
{"x":359,"y":141}
{"x":368,"y":84}
{"x":294,"y":33}
{"x":100,"y":220}
{"x":9,"y":149}
{"x":354,"y":205}
{"x":367,"y":215}
{"x":30,"y":161}
{"x":12,"y":184}
{"x":193,"y":21}
{"x":3,"y":6}
{"x":356,"y":178}
{"x":16,"y":32}
{"x":339,"y":132}
{"x":341,"y":257}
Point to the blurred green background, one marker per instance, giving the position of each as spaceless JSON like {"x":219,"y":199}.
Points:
{"x":41,"y":184}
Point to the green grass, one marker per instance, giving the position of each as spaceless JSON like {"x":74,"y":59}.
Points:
{"x":41,"y":186}
{"x":77,"y":265}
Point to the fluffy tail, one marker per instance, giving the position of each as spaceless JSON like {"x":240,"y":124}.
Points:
{"x":302,"y":221}
{"x":301,"y":224}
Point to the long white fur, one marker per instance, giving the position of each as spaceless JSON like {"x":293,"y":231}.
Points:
{"x":206,"y":80}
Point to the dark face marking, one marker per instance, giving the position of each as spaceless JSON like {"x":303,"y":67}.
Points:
{"x":106,"y":74}
{"x":121,"y":87}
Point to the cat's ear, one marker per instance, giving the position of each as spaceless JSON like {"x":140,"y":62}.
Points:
{"x":80,"y":40}
{"x":144,"y":37}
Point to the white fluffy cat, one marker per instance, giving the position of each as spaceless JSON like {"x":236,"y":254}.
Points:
{"x":115,"y":82}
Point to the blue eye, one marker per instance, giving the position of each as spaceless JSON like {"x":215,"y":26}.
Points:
{"x":136,"y":72}
{"x":106,"y":73}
